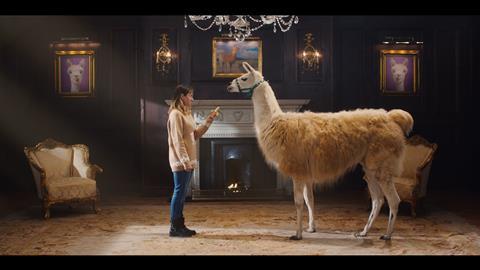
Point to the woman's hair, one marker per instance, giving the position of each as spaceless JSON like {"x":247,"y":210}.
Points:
{"x":177,"y":103}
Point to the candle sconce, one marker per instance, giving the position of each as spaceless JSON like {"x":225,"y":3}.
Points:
{"x":163,"y":56}
{"x":310,"y":56}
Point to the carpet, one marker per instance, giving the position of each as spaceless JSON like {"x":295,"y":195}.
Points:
{"x":230,"y":228}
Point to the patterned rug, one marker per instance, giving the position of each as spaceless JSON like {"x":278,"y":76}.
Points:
{"x":230,"y":228}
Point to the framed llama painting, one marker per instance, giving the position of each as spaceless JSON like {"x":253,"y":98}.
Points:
{"x":75,"y":73}
{"x":399,"y":71}
{"x":228,"y":55}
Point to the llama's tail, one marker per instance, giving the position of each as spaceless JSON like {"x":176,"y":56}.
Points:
{"x":403,"y":119}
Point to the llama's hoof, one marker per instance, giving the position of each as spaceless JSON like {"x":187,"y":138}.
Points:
{"x":294,"y":237}
{"x":311,"y":230}
{"x":385,"y":237}
{"x":360,"y":234}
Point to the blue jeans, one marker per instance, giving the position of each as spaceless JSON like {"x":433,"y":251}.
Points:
{"x":181,"y":181}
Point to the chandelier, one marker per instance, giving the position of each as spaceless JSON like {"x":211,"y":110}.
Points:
{"x":242,"y":26}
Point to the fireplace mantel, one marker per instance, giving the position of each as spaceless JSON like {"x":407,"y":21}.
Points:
{"x":236,"y":120}
{"x":236,"y":116}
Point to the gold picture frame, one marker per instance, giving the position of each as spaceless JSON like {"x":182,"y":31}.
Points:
{"x":228,"y":55}
{"x":75,"y":73}
{"x":399,"y":71}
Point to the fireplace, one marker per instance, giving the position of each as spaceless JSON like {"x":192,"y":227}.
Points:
{"x":234,"y":168}
{"x":231,"y":165}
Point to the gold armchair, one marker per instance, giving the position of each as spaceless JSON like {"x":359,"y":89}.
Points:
{"x":63,"y":174}
{"x":412,"y":183}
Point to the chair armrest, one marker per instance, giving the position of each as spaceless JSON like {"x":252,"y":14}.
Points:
{"x":93,"y":170}
{"x":97,"y":168}
{"x":422,"y":176}
{"x":429,"y":158}
{"x":40,"y":179}
{"x":40,"y":170}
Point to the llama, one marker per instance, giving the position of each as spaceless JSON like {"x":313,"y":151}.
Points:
{"x":320,"y":147}
{"x":399,"y":72}
{"x":75,"y":71}
{"x":226,"y":59}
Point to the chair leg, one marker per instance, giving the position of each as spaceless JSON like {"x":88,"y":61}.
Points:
{"x":95,"y":207}
{"x":46,"y":211}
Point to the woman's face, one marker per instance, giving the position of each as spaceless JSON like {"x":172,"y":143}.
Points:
{"x":187,"y":99}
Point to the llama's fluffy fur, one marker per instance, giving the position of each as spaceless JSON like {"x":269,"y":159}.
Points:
{"x":321,"y":147}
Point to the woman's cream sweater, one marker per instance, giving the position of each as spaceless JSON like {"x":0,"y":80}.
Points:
{"x":182,"y":134}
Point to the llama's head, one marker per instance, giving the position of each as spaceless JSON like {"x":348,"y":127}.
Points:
{"x":399,"y":71}
{"x":247,"y":82}
{"x":75,"y":71}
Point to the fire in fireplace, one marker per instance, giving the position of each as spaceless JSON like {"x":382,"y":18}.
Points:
{"x":237,"y":169}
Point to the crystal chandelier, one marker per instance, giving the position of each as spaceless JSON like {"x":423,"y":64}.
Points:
{"x":241,"y":26}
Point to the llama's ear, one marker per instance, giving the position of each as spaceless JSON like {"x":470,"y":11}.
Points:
{"x":247,"y":67}
{"x":82,"y":62}
{"x":69,"y":62}
{"x":392,"y":61}
{"x":405,"y":61}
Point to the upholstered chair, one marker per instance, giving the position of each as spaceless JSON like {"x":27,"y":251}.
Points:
{"x":63,"y":174}
{"x":412,"y":184}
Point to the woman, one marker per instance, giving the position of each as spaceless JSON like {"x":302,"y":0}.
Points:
{"x":182,"y":134}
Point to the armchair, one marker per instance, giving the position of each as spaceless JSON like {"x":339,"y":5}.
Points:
{"x":411,"y":185}
{"x":63,"y":174}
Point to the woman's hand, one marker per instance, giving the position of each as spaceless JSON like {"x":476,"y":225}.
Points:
{"x":188,"y":167}
{"x":212,"y":116}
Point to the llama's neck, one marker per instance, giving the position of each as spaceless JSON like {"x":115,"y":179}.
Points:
{"x":265,"y":105}
{"x":400,"y":86}
{"x":75,"y":87}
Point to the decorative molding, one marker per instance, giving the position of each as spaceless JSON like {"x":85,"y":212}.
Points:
{"x":236,"y":118}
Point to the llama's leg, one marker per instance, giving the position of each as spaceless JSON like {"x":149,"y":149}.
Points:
{"x":377,"y":201}
{"x":298,"y":197}
{"x":393,"y":200}
{"x":46,"y":210}
{"x":309,"y":200}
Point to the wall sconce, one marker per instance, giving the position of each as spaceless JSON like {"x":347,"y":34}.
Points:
{"x":163,"y":56}
{"x":310,"y":56}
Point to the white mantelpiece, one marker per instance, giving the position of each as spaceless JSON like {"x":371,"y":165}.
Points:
{"x":236,"y":120}
{"x":236,"y":116}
